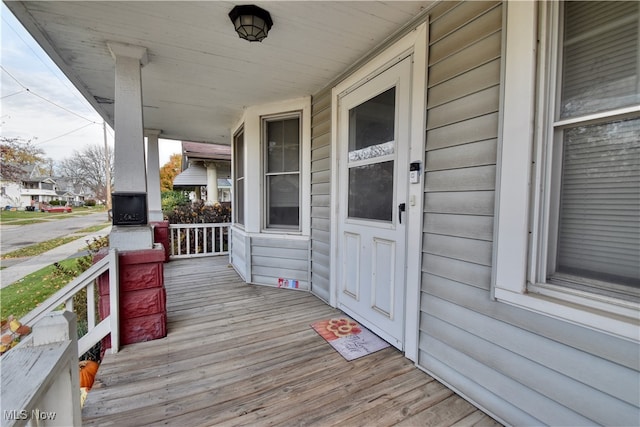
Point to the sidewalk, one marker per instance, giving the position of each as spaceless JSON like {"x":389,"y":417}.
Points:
{"x":21,"y":269}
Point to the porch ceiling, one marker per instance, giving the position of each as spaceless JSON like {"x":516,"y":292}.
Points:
{"x":200,"y":75}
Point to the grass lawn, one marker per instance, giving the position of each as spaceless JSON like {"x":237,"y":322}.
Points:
{"x":25,"y":295}
{"x":47,"y":245}
{"x":24,"y":217}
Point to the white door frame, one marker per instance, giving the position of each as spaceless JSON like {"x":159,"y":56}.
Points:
{"x":416,"y":44}
{"x":373,"y":291}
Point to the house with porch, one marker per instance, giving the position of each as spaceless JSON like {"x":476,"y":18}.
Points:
{"x":30,"y":189}
{"x":461,"y":177}
{"x":206,"y":166}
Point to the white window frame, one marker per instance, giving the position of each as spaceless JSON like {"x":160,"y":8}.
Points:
{"x":265,"y":174}
{"x":236,"y":218}
{"x":251,"y":121}
{"x":522,"y":213}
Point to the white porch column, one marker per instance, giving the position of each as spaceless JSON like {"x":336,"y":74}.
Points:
{"x":153,"y":175}
{"x":129,"y":162}
{"x":212,"y":183}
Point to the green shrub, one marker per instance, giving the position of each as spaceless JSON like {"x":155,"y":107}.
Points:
{"x":55,"y":203}
{"x":89,"y":202}
{"x":173,"y":199}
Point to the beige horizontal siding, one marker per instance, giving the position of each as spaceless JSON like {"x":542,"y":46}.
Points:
{"x":277,"y":258}
{"x":320,"y":193}
{"x":526,"y":368}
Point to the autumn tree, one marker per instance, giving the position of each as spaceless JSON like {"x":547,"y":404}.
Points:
{"x":88,"y":168}
{"x":15,"y":153}
{"x":169,"y":171}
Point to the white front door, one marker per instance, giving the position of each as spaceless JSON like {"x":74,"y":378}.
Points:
{"x":373,"y":141}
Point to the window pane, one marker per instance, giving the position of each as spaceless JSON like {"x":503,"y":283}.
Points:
{"x":291,"y":150}
{"x":372,"y":127}
{"x":239,"y":201}
{"x":599,"y":233}
{"x":371,"y":191}
{"x":283,"y":145}
{"x":283,"y":200}
{"x":239,"y":154}
{"x":600,"y":57}
{"x":275,"y":137}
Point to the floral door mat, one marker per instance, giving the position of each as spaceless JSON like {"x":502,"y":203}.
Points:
{"x":348,"y":338}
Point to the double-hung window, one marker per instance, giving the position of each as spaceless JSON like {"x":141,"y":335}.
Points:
{"x":281,"y":141}
{"x":580,"y":250}
{"x":593,"y":155}
{"x":238,"y":177}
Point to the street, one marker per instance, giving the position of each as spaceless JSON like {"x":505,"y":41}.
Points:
{"x":13,"y":237}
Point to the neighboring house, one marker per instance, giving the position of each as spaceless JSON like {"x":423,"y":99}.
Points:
{"x":33,"y":189}
{"x":27,"y":189}
{"x":38,"y":190}
{"x":69,"y":193}
{"x":461,"y":177}
{"x":205,"y":166}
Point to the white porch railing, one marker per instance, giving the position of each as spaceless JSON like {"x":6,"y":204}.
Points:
{"x":40,"y":378}
{"x":108,"y":325}
{"x":197,"y":240}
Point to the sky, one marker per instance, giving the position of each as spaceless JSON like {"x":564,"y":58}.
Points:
{"x":38,"y":103}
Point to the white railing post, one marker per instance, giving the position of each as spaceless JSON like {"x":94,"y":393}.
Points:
{"x":55,"y":326}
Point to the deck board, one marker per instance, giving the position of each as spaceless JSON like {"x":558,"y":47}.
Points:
{"x":238,"y":354}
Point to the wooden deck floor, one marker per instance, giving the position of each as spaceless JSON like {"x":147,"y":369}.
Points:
{"x":240,"y":354}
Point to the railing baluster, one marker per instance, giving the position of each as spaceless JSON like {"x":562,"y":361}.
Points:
{"x":204,"y":239}
{"x":91,"y":306}
{"x":184,"y":235}
{"x":69,"y":304}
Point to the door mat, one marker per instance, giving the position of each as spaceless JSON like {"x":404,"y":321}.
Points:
{"x":348,"y":338}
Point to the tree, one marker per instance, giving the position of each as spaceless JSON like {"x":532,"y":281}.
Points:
{"x":15,"y":153}
{"x":88,"y":169}
{"x":169,"y":171}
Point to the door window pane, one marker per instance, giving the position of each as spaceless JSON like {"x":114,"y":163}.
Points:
{"x":371,"y":191}
{"x":372,"y":127}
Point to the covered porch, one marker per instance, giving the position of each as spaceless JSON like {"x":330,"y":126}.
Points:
{"x":239,"y":354}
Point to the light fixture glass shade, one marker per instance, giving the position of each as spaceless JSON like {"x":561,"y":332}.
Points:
{"x":251,"y":22}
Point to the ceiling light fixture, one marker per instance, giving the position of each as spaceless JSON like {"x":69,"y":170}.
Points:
{"x":251,"y":22}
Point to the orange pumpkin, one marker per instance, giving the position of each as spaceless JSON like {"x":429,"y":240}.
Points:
{"x":88,"y":370}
